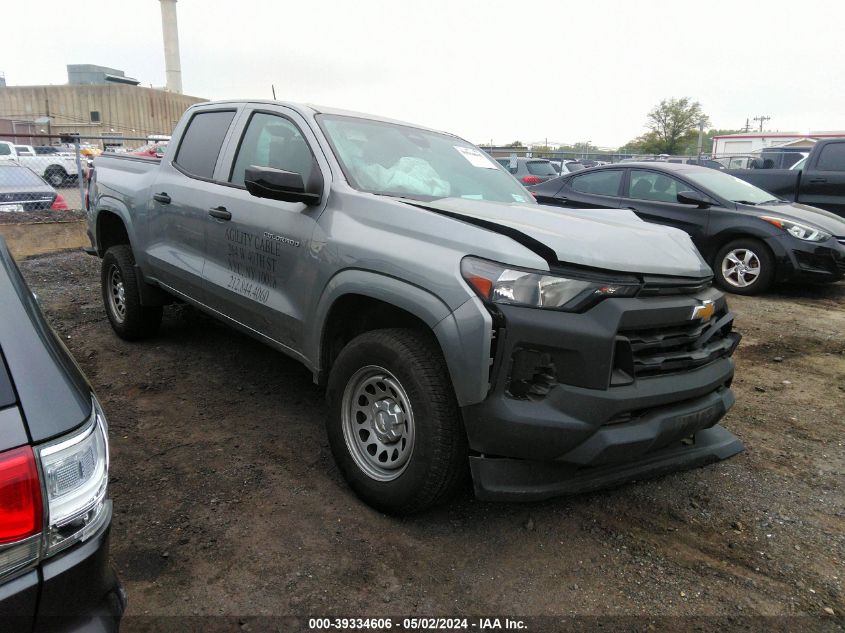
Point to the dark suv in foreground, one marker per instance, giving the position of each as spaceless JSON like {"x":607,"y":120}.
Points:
{"x":55,"y":513}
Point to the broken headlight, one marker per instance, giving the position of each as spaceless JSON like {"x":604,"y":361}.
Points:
{"x":497,"y":283}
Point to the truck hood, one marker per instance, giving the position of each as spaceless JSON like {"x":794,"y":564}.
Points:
{"x":609,"y":239}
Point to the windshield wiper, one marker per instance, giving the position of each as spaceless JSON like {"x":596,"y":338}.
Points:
{"x":753,"y":204}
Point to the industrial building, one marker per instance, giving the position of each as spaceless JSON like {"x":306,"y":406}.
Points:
{"x":755,"y":142}
{"x":106,"y":109}
{"x":100,"y":101}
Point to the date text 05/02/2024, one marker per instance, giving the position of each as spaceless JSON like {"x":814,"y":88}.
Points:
{"x":418,"y":624}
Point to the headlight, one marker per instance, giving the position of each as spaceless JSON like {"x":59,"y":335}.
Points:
{"x":796,"y":229}
{"x":496,"y":283}
{"x":76,"y":474}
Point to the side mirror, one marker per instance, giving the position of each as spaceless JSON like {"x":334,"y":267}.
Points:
{"x":693,"y":197}
{"x":277,"y":184}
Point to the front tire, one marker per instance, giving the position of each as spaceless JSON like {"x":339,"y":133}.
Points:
{"x":394,"y":426}
{"x":745,"y":267}
{"x":129,"y":319}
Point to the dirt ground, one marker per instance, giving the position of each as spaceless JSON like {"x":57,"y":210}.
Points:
{"x":227,"y":501}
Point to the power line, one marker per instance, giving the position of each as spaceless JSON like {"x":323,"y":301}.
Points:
{"x":762,"y":119}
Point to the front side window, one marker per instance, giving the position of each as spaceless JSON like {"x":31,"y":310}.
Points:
{"x":832,"y":158}
{"x":399,"y":160}
{"x":5,"y":150}
{"x":600,"y":183}
{"x":728,"y":187}
{"x":649,"y":185}
{"x":272,"y":141}
{"x":202,"y":141}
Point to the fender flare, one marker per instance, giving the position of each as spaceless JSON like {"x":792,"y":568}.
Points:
{"x":464,"y":334}
{"x":109,"y":204}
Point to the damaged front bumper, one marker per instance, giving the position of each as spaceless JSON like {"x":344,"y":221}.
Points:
{"x":631,"y":389}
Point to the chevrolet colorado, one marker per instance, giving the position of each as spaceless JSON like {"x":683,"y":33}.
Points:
{"x":452,"y":319}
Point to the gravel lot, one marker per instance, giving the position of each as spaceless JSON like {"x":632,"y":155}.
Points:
{"x":227,"y":501}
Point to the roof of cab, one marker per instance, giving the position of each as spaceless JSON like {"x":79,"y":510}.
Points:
{"x":310,"y":109}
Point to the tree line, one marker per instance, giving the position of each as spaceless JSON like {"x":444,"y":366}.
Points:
{"x":672,"y":128}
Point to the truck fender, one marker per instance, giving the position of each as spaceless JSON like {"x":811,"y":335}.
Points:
{"x":110,"y":204}
{"x":463,"y":335}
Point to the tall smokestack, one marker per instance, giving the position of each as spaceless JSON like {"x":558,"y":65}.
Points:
{"x":170,"y":30}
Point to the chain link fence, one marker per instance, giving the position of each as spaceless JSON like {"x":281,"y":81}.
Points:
{"x":49,"y":173}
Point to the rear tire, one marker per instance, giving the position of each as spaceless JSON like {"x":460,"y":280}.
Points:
{"x":129,"y":319}
{"x":56,"y":176}
{"x":745,"y":267}
{"x":394,"y":425}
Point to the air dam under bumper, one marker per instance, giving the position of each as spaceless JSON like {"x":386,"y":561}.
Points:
{"x":581,"y":421}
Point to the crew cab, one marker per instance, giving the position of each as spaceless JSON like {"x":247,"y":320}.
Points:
{"x":57,"y":169}
{"x":819,"y":180}
{"x":456,"y":324}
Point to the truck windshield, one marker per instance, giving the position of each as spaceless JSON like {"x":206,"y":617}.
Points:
{"x":729,"y":187}
{"x":399,"y":160}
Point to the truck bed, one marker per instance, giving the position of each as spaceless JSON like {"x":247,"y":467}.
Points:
{"x":782,"y":183}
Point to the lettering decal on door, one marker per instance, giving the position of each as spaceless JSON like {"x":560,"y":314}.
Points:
{"x":252,"y":260}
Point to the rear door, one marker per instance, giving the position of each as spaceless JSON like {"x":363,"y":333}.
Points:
{"x":823,"y":185}
{"x":258,"y":270}
{"x":652,"y":195}
{"x":179,"y":203}
{"x":599,"y":189}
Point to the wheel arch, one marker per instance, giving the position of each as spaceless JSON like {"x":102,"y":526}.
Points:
{"x":357,"y":301}
{"x":111,"y":228}
{"x":721,"y":239}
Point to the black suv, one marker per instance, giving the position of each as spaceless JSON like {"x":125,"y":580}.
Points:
{"x":55,"y":513}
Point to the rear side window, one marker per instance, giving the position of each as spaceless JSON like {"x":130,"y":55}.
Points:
{"x":540,"y":168}
{"x":202,"y":141}
{"x":649,"y":185}
{"x":600,"y":183}
{"x":832,"y":158}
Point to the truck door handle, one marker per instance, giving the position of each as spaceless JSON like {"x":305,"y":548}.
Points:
{"x":220,"y":213}
{"x":818,"y":179}
{"x":161,"y":197}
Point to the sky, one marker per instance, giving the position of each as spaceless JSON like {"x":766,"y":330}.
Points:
{"x":486,"y":70}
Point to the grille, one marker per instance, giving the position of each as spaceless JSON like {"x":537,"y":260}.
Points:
{"x":840,"y":264}
{"x":664,"y":350}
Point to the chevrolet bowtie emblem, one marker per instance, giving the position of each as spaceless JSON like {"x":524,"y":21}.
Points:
{"x":704,"y":311}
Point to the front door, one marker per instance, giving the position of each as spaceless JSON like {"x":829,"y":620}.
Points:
{"x":824,"y":185}
{"x":257,"y":262}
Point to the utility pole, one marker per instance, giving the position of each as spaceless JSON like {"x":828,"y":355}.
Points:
{"x":700,"y":137}
{"x":762,"y":119}
{"x":747,"y":127}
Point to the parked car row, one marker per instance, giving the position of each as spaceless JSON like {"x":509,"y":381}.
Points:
{"x":57,"y":168}
{"x":749,"y":237}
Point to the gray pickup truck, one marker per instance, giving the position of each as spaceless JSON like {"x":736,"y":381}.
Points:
{"x":458,"y":326}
